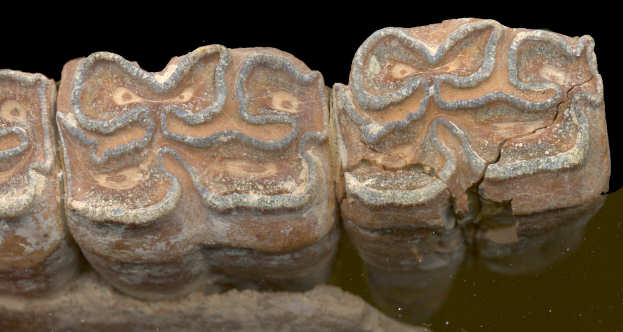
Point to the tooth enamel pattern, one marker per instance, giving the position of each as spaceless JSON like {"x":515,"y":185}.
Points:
{"x":225,"y":170}
{"x":436,"y":120}
{"x":37,"y":254}
{"x":148,"y":199}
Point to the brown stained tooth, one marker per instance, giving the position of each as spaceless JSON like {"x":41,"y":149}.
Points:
{"x":37,"y":254}
{"x":213,"y":172}
{"x":566,"y":163}
{"x":445,"y":125}
{"x":226,"y":168}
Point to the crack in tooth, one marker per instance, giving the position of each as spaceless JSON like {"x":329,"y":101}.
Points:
{"x":561,"y":104}
{"x":507,"y":204}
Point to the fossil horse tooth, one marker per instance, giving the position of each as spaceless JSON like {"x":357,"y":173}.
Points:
{"x":213,"y":170}
{"x":37,"y":253}
{"x":227,"y":167}
{"x":449,"y":125}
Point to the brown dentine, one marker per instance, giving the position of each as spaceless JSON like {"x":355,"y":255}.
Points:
{"x":37,"y":253}
{"x":224,"y":153}
{"x":448,"y":125}
{"x":226,"y":169}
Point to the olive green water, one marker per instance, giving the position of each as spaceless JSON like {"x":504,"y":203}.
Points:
{"x":580,"y":290}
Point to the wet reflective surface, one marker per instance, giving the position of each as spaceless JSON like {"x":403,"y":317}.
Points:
{"x":564,"y":277}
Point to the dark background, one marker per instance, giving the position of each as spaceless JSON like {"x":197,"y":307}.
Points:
{"x":322,"y":36}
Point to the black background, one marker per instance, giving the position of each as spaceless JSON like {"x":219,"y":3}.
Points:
{"x":324,"y":36}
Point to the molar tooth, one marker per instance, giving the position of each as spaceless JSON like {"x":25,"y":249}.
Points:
{"x":37,"y":254}
{"x":223,"y":169}
{"x":477,"y":104}
{"x":214,"y":172}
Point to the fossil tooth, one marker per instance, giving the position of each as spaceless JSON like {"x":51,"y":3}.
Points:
{"x":213,"y":171}
{"x":37,"y":253}
{"x":445,"y":125}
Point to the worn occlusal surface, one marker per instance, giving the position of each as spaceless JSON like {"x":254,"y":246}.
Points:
{"x":213,"y":172}
{"x":37,"y":254}
{"x":449,"y":124}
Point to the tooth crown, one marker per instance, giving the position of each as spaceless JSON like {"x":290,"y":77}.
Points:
{"x":226,"y":167}
{"x":469,"y":101}
{"x":37,"y":254}
{"x":222,"y":149}
{"x":439,"y":123}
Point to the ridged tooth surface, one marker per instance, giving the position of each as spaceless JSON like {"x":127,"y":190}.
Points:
{"x":186,"y":177}
{"x":225,"y":168}
{"x":37,"y":254}
{"x":465,"y":133}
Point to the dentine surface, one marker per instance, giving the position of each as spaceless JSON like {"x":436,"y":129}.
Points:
{"x":37,"y":254}
{"x":225,"y":170}
{"x":222,"y":149}
{"x":509,"y":116}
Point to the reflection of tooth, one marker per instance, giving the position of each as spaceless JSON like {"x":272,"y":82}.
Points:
{"x":163,"y":76}
{"x":533,"y":242}
{"x":554,"y":74}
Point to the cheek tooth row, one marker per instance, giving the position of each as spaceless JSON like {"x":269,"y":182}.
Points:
{"x":182,"y":180}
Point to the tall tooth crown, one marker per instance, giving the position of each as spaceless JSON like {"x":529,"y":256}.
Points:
{"x":470,"y":101}
{"x":465,"y":132}
{"x":223,"y":148}
{"x":37,"y":254}
{"x":225,"y":170}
